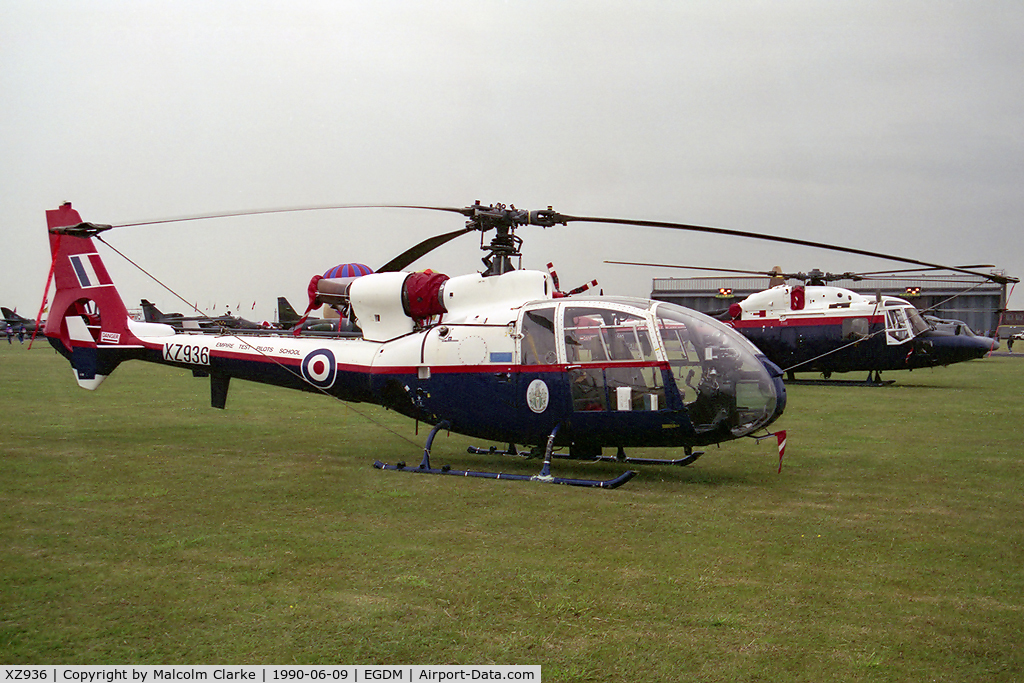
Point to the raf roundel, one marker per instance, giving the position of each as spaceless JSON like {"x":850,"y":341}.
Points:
{"x":319,"y":369}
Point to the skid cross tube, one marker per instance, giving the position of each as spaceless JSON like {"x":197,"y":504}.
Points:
{"x":494,"y":450}
{"x":544,"y":476}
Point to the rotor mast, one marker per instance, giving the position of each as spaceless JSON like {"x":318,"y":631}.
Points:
{"x":505,"y":244}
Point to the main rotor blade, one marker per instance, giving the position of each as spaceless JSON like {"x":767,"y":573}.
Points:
{"x":826,"y":276}
{"x":547,"y":219}
{"x":921,"y":270}
{"x":875,"y":276}
{"x":774,"y":238}
{"x":717,"y":270}
{"x":395,"y":264}
{"x":293,"y":209}
{"x":412,"y":254}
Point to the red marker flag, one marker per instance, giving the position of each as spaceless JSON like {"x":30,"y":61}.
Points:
{"x":781,"y":436}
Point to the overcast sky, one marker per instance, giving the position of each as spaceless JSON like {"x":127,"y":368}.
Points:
{"x":894,"y":126}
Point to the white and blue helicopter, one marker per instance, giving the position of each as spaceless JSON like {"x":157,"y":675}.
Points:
{"x":499,"y":355}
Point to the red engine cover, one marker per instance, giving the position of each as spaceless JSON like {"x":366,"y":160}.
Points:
{"x":796,"y":298}
{"x":421,"y":295}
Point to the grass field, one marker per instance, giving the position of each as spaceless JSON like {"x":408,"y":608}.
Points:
{"x":139,"y":525}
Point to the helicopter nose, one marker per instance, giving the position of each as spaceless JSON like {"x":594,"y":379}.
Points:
{"x":985,"y":346}
{"x":959,"y":348}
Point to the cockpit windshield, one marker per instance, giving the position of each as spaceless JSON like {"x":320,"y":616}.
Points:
{"x":716,"y":370}
{"x":903,"y":322}
{"x":917,"y":323}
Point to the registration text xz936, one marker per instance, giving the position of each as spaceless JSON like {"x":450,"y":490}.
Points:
{"x":186,"y":353}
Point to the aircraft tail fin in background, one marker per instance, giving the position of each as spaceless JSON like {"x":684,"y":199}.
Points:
{"x":11,"y":315}
{"x":88,"y":321}
{"x":150,"y":313}
{"x":286,"y":315}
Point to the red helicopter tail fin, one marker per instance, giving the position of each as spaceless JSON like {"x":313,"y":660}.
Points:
{"x":88,"y":321}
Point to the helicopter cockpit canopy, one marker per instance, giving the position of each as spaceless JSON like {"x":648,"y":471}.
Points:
{"x":615,"y":349}
{"x":902,"y":321}
{"x":716,"y":370}
{"x":949,"y":326}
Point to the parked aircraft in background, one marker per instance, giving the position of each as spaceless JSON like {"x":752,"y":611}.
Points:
{"x":288,"y":319}
{"x":812,"y":326}
{"x":152,"y":314}
{"x":16,"y":321}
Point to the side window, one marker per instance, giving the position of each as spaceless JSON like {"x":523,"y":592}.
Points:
{"x":538,"y":342}
{"x":620,"y":342}
{"x":597,"y":335}
{"x":583,"y":341}
{"x":855,"y":328}
{"x":587,"y":389}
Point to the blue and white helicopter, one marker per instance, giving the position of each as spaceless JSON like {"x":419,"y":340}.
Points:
{"x":809,"y":325}
{"x":499,"y":355}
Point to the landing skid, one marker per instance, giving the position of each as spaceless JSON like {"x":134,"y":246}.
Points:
{"x":545,"y":475}
{"x":690,"y":458}
{"x":841,"y":382}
